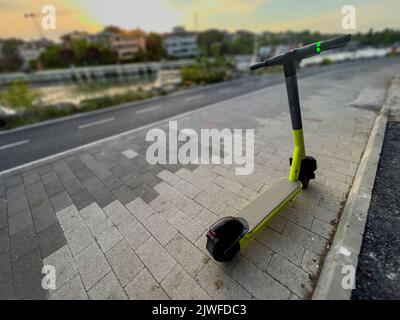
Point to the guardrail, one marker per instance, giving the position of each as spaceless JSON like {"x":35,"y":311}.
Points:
{"x":96,"y":73}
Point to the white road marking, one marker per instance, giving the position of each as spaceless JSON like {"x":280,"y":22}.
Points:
{"x":196,"y":97}
{"x":95,"y":123}
{"x":13,"y":144}
{"x":149,"y":109}
{"x":67,"y":152}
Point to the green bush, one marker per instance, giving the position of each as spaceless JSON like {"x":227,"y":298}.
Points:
{"x":326,"y":61}
{"x":43,"y":113}
{"x":202,"y":75}
{"x":19,"y":96}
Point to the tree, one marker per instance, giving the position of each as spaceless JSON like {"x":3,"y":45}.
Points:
{"x":79,"y":48}
{"x":11,"y":60}
{"x":206,"y":39}
{"x":154,"y":47}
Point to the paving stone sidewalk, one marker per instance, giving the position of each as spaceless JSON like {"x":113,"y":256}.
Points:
{"x":116,"y":227}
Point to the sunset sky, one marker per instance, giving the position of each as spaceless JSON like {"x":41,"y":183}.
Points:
{"x":162,"y":15}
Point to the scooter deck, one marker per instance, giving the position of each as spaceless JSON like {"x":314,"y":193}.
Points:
{"x":266,"y":204}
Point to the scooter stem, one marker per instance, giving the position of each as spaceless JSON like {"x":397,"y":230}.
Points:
{"x":299,"y":152}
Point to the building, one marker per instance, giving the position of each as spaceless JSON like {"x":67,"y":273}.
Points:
{"x":66,"y":39}
{"x":181,"y":44}
{"x":125,"y":44}
{"x":265,"y":52}
{"x":30,"y":51}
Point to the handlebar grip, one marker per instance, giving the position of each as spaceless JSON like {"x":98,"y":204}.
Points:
{"x":335,"y":42}
{"x":257,"y":65}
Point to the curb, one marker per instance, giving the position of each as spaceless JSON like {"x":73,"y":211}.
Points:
{"x":347,"y":242}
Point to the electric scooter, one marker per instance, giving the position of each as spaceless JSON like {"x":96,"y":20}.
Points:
{"x":226,"y":236}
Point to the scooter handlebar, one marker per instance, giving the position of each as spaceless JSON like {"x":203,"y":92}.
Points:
{"x":257,"y":65}
{"x":335,"y":42}
{"x":306,"y":51}
{"x":317,"y":47}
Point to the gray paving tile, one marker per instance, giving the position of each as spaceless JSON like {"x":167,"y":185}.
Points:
{"x":133,"y":232}
{"x":20,"y":221}
{"x":5,"y":268}
{"x":257,"y":254}
{"x":27,"y":275}
{"x":156,"y":258}
{"x":123,"y":194}
{"x":258,"y":283}
{"x":78,"y":237}
{"x":186,"y":225}
{"x":7,"y":291}
{"x":68,"y":217}
{"x":187,"y":188}
{"x":92,"y":215}
{"x":145,"y":287}
{"x":17,"y":205}
{"x":64,"y":265}
{"x":164,"y":207}
{"x":107,"y":288}
{"x":22,"y":243}
{"x":160,"y":228}
{"x":4,"y":240}
{"x":187,"y":254}
{"x":116,"y":212}
{"x":179,"y":285}
{"x":82,"y":199}
{"x":44,"y":217}
{"x":3,"y":219}
{"x":74,"y":186}
{"x":140,"y":209}
{"x":306,"y":238}
{"x":92,"y":265}
{"x":61,"y":201}
{"x":51,"y":240}
{"x":284,"y":246}
{"x":72,"y":290}
{"x":124,"y":262}
{"x":219,"y":285}
{"x":106,"y":234}
{"x":290,"y":275}
{"x":111,"y":182}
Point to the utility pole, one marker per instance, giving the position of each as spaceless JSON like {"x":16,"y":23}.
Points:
{"x":34,"y":16}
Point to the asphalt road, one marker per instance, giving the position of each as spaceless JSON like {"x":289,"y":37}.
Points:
{"x":24,"y":145}
{"x":378,"y":268}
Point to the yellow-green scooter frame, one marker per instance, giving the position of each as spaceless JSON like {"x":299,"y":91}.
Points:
{"x":298,"y":155}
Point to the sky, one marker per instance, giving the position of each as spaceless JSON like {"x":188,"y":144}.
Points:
{"x":162,"y":15}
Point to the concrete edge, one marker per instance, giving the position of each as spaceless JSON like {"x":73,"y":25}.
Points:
{"x":347,"y":242}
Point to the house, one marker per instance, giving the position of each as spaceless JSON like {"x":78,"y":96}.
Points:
{"x":265,"y":52}
{"x":66,"y":39}
{"x":126,"y":44}
{"x":31,"y":51}
{"x":181,"y":43}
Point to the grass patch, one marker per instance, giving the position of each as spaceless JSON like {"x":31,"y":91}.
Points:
{"x":43,"y":113}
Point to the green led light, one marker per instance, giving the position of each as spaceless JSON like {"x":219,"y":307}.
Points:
{"x":318,"y":47}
